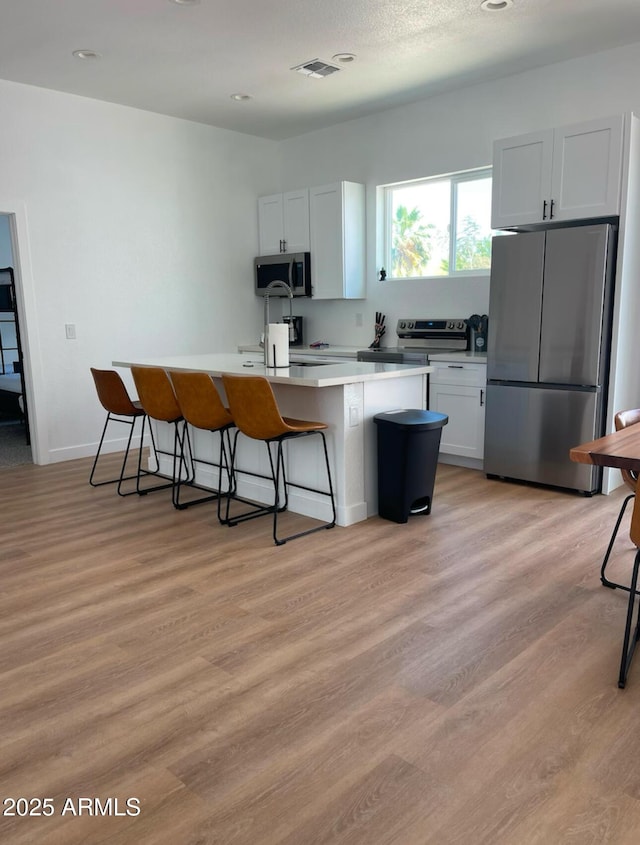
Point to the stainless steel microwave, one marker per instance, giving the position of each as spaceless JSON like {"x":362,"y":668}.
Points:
{"x":293,"y":268}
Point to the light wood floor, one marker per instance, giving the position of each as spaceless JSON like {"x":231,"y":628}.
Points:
{"x":448,"y":681}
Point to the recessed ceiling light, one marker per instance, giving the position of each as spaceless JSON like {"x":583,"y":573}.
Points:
{"x":185,"y":2}
{"x":240,"y":97}
{"x":345,"y":58}
{"x":86,"y":54}
{"x":495,"y":5}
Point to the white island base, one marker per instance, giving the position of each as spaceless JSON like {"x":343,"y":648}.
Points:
{"x":345,"y":396}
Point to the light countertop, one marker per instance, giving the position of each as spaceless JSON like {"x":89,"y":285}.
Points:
{"x":305,"y":352}
{"x":328,"y":375}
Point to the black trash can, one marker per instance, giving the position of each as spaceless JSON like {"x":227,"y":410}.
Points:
{"x":408,"y":446}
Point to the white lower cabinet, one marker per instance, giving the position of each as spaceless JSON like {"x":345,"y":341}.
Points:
{"x":458,"y":389}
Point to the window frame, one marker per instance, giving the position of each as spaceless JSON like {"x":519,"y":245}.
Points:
{"x":455,"y":179}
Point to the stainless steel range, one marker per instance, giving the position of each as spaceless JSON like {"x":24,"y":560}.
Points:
{"x":420,"y":337}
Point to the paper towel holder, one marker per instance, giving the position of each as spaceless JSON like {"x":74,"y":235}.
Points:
{"x":276,"y":283}
{"x":277,"y":348}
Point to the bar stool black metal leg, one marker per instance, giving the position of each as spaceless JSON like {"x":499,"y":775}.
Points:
{"x":629,"y":643}
{"x":256,"y":509}
{"x":131,"y":423}
{"x":184,"y":471}
{"x":95,"y":461}
{"x":604,"y":580}
{"x":280,"y":541}
{"x":226,"y":462}
{"x":226,"y":520}
{"x":141,"y":472}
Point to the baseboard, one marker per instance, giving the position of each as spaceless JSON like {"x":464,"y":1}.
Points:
{"x":460,"y":461}
{"x":89,"y":450}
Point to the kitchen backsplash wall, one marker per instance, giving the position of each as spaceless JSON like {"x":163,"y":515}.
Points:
{"x":337,"y":322}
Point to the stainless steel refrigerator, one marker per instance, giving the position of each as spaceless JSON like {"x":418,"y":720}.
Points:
{"x":548,"y":352}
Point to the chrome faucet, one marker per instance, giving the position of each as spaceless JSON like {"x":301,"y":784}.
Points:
{"x":271,"y":286}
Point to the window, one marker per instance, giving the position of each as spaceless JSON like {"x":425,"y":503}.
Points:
{"x":438,"y":227}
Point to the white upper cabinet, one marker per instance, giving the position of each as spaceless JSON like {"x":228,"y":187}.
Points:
{"x":587,"y":170}
{"x":569,"y":173}
{"x":283,"y":222}
{"x":337,"y":222}
{"x":521,"y":178}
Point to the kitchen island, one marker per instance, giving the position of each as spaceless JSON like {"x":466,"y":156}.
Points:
{"x":344,"y":395}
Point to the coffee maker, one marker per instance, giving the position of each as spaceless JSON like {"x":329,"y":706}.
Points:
{"x":478,"y":330}
{"x":295,"y":330}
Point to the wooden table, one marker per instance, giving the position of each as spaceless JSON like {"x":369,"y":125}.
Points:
{"x":620,"y":450}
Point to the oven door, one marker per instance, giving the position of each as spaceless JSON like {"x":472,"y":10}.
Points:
{"x":381,"y":356}
{"x":394,"y":355}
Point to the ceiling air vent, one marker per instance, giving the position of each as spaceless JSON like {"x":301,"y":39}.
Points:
{"x":316,"y":68}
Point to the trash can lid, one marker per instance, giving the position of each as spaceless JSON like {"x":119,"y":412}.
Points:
{"x":412,"y":418}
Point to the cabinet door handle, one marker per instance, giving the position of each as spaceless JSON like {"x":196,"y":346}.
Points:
{"x":455,"y":366}
{"x":481,"y":397}
{"x":551,"y":210}
{"x":544,"y":209}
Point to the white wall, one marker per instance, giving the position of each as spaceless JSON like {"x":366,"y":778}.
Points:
{"x":138,"y":228}
{"x":442,"y":135}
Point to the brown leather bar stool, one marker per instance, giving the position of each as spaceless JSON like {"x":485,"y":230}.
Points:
{"x":202,"y":408}
{"x":116,"y":401}
{"x":159,"y":402}
{"x":621,"y":420}
{"x":256,"y":414}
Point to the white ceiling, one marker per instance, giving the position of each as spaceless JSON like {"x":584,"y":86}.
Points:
{"x":186,"y":60}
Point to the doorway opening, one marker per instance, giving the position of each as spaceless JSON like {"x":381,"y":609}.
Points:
{"x":15,"y":437}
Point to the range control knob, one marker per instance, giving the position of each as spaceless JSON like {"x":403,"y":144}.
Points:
{"x":410,"y":324}
{"x":460,"y":325}
{"x":450,"y":324}
{"x":402,"y":324}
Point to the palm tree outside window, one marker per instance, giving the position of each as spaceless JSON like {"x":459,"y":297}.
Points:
{"x":439,"y":227}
